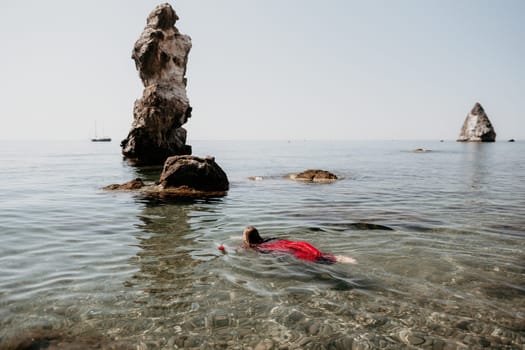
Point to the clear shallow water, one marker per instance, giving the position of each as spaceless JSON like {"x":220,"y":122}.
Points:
{"x":90,"y":267}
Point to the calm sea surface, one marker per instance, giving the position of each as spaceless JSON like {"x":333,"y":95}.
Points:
{"x":79,"y":265}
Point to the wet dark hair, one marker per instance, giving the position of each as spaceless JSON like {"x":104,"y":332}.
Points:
{"x":251,"y":236}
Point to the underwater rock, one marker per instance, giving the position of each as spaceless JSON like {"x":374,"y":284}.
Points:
{"x":343,"y":226}
{"x":54,"y":340}
{"x":421,"y":150}
{"x":477,"y":127}
{"x":314,"y":175}
{"x":182,"y":177}
{"x":160,"y":55}
{"x":368,"y":226}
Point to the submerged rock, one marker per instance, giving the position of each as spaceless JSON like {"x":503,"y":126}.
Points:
{"x":421,"y":150}
{"x":134,"y":184}
{"x":477,"y":127}
{"x":314,"y":175}
{"x":160,"y":55}
{"x":368,"y":226}
{"x":183,"y":177}
{"x":42,"y":338}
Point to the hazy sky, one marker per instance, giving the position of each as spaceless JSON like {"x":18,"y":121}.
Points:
{"x":270,"y":69}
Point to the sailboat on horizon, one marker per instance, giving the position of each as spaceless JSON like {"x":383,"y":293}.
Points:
{"x":100,"y":139}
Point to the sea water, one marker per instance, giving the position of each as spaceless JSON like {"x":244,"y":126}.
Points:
{"x":439,"y":237}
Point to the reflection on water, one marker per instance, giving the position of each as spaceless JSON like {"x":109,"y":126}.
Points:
{"x":163,"y":255}
{"x":438,"y":237}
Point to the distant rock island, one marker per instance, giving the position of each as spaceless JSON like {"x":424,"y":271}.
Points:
{"x":314,"y":175}
{"x":421,"y":150}
{"x":477,"y":127}
{"x":160,"y":56}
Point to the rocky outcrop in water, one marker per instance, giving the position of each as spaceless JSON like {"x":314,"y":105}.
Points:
{"x":477,"y":127}
{"x":202,"y":174}
{"x":314,"y":175}
{"x":183,"y":177}
{"x":160,"y":55}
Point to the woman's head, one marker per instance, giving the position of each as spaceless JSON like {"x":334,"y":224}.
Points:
{"x":251,"y":237}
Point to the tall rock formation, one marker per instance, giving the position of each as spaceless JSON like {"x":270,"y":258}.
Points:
{"x":477,"y":127}
{"x":160,"y":55}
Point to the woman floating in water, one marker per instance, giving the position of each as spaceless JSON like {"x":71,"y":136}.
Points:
{"x":301,"y":250}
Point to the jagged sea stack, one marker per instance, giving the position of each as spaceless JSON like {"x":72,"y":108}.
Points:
{"x":477,"y":127}
{"x":160,"y":55}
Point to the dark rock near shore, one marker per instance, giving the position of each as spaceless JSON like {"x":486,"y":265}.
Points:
{"x":512,"y":140}
{"x":160,"y":55}
{"x":314,"y":175}
{"x":477,"y":127}
{"x":183,"y":177}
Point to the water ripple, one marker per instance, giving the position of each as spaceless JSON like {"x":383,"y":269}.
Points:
{"x":438,"y":236}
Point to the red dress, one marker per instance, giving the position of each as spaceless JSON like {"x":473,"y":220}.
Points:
{"x":301,"y":250}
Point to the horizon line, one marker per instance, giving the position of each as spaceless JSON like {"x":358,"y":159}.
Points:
{"x":253,"y":140}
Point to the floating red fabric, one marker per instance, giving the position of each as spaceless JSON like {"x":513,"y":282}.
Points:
{"x":301,"y":250}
